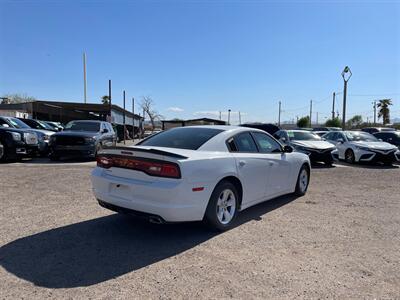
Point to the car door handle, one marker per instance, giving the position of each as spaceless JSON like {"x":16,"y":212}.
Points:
{"x":242,"y":163}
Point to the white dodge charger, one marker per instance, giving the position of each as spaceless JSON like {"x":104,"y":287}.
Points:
{"x":198,"y":173}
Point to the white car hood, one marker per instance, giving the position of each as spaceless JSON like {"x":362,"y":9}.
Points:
{"x":374,"y":145}
{"x":313,"y":144}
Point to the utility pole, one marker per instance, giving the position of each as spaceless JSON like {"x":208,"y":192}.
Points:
{"x":240,"y":118}
{"x":220,"y":115}
{"x":229,"y":117}
{"x":123,"y":115}
{"x":374,"y":103}
{"x":84,"y":77}
{"x":317,"y":118}
{"x":109,"y":100}
{"x":279,"y":114}
{"x":143,"y":123}
{"x":133,"y":120}
{"x":333,"y":105}
{"x":310,"y":113}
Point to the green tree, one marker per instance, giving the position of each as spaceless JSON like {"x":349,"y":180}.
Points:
{"x":105,"y":99}
{"x":355,"y":121}
{"x":16,"y":98}
{"x":303,"y":122}
{"x":335,"y":122}
{"x":384,"y":110}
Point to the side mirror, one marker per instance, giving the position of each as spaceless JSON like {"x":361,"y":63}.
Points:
{"x":283,"y":140}
{"x":382,"y":140}
{"x":324,"y":139}
{"x":340,"y":141}
{"x":287,"y":149}
{"x":105,"y":130}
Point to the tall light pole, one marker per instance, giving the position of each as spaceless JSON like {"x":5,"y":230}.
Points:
{"x":240,"y":118}
{"x":346,"y":74}
{"x":84,"y":77}
{"x":310,"y":113}
{"x":229,"y":117}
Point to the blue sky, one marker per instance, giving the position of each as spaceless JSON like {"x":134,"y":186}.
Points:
{"x":195,"y":58}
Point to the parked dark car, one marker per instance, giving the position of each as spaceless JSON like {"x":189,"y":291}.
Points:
{"x":373,"y":130}
{"x":318,"y":149}
{"x":392,"y":137}
{"x":42,"y":134}
{"x":36,"y":124}
{"x":17,"y":143}
{"x":268,"y":128}
{"x":82,"y":139}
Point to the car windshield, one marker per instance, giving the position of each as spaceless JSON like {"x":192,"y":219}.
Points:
{"x":45,"y":125}
{"x":183,"y":138}
{"x":18,"y":123}
{"x":303,"y":136}
{"x":83,"y":126}
{"x":355,"y":136}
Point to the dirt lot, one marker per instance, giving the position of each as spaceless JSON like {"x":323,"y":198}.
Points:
{"x":341,"y":240}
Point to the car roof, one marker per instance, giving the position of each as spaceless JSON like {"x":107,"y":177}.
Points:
{"x":91,"y":121}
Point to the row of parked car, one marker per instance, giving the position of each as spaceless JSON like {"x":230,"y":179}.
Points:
{"x":29,"y":138}
{"x":352,"y":146}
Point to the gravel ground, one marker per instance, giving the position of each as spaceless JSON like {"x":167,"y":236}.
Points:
{"x":341,"y":240}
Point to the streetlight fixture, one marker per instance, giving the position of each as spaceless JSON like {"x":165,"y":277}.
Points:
{"x":346,"y":74}
{"x":229,"y":117}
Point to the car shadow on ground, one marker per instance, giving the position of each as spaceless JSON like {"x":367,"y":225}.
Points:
{"x":101,"y":249}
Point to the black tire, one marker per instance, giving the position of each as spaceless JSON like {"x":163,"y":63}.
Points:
{"x":3,"y":152}
{"x":211,"y":216}
{"x":328,"y":162}
{"x":349,"y":156}
{"x":300,"y":189}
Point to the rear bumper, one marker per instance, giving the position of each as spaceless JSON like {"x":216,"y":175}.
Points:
{"x":171,"y":200}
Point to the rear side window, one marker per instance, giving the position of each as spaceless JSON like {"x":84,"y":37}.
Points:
{"x":182,"y":138}
{"x":245,"y":143}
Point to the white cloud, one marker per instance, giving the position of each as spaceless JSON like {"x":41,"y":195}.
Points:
{"x":175,"y":109}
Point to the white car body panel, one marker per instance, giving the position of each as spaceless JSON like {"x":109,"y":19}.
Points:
{"x":262,"y":176}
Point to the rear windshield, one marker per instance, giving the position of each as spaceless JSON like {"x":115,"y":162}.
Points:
{"x":182,"y":138}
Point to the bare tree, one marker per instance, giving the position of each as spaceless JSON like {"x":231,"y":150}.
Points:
{"x":147,"y":105}
{"x":16,"y":98}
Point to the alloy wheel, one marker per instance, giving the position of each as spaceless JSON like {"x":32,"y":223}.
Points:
{"x":226,"y":206}
{"x":303,"y":180}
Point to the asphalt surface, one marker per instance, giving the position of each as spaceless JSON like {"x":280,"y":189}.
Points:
{"x":341,"y":240}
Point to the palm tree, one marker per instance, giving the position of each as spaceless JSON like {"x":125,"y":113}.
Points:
{"x":384,"y":111}
{"x":105,"y":99}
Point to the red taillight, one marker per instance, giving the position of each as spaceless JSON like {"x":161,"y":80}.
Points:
{"x":104,"y":162}
{"x":148,"y":166}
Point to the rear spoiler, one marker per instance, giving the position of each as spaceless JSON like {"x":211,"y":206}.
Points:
{"x":154,"y":151}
